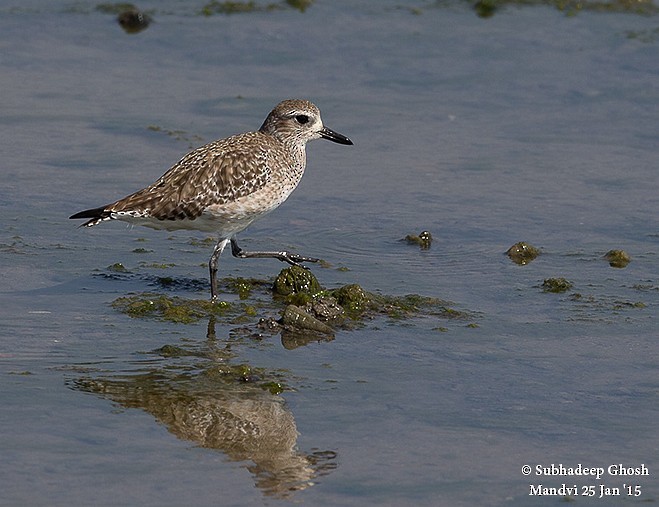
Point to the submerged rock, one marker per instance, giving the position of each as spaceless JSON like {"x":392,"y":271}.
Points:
{"x":117,"y":267}
{"x":132,"y":20}
{"x":617,"y":258}
{"x":485,"y":8}
{"x":556,"y":285}
{"x":424,"y":240}
{"x":326,"y":309}
{"x":296,"y":318}
{"x":522,"y":253}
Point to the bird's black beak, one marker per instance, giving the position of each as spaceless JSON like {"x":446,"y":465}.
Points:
{"x":334,"y":136}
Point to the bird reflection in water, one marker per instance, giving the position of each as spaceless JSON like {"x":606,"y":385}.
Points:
{"x":200,"y":396}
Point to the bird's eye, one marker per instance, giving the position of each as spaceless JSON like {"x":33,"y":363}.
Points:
{"x":302,"y":119}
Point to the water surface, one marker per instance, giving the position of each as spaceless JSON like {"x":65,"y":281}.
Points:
{"x":530,"y":125}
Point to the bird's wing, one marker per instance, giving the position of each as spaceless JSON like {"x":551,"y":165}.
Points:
{"x":213,"y":174}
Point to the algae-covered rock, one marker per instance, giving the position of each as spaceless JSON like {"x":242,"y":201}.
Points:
{"x":296,"y":318}
{"x":132,"y":20}
{"x":485,"y":8}
{"x":556,"y":285}
{"x":294,"y":280}
{"x":326,"y":309}
{"x":309,"y":311}
{"x":423,"y":240}
{"x":352,"y":298}
{"x":300,"y":5}
{"x":522,"y":253}
{"x":617,"y":258}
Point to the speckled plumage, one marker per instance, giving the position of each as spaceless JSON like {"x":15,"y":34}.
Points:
{"x":224,"y":186}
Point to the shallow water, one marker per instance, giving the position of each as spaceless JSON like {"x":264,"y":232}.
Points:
{"x":530,"y":125}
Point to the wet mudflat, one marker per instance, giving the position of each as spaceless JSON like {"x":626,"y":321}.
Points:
{"x":122,"y":385}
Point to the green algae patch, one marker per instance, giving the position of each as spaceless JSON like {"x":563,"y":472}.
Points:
{"x":228,"y":8}
{"x":117,"y":267}
{"x":272,"y":387}
{"x":300,"y":5}
{"x":173,"y":351}
{"x":487,"y":8}
{"x":312,"y":307}
{"x":414,"y":305}
{"x":556,"y":285}
{"x":423,"y":240}
{"x":296,"y":279}
{"x":246,"y":288}
{"x":522,"y":253}
{"x":352,"y":298}
{"x":171,"y":309}
{"x":603,"y":308}
{"x":306,"y":309}
{"x":232,"y":7}
{"x":205,"y":243}
{"x":617,"y":258}
{"x":242,"y":373}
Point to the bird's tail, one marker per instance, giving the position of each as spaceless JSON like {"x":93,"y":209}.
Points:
{"x":97,"y":215}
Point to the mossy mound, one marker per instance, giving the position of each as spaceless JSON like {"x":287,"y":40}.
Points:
{"x":617,"y":258}
{"x":344,"y":306}
{"x":353,"y":299}
{"x":556,"y":285}
{"x":295,"y":280}
{"x":522,"y":253}
{"x":303,"y":304}
{"x":423,"y":240}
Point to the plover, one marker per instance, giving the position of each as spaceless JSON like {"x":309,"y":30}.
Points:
{"x":224,"y":186}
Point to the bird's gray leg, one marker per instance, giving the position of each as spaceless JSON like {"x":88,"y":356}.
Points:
{"x":291,"y":258}
{"x":212,"y":266}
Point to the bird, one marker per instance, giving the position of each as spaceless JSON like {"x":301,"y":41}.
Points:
{"x":223,"y":186}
